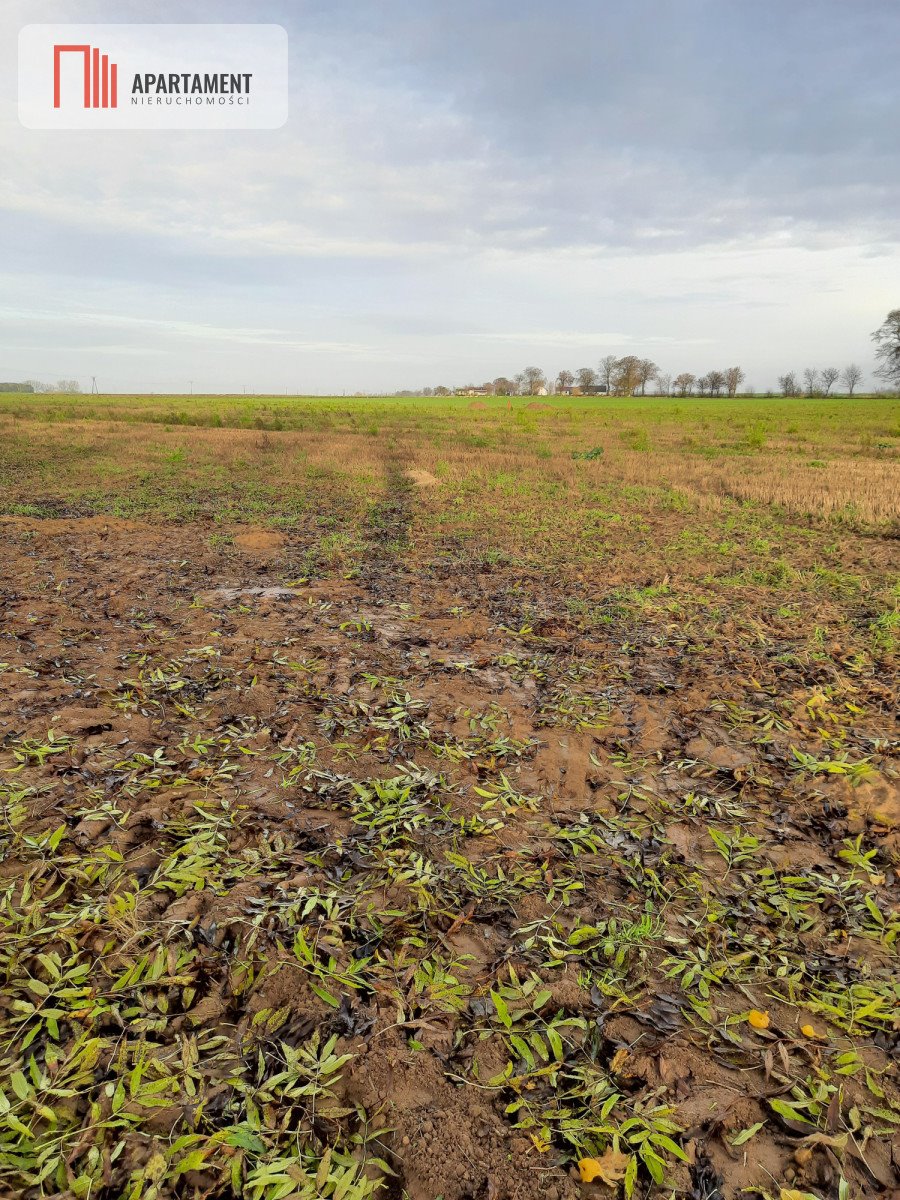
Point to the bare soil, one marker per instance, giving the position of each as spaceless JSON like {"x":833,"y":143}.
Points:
{"x":218,"y":730}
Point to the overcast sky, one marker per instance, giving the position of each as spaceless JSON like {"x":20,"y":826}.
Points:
{"x":468,"y":187}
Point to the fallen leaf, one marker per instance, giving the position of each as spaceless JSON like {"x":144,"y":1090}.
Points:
{"x":759,"y":1020}
{"x":464,"y":916}
{"x":155,"y":1168}
{"x":794,"y":1194}
{"x":589,"y":1169}
{"x":618,"y":1060}
{"x":808,"y":1031}
{"x":746,"y":1134}
{"x":609,"y":1168}
{"x":839,"y":1142}
{"x":833,"y":1113}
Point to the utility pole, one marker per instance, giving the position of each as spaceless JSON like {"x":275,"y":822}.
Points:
{"x":192,"y":387}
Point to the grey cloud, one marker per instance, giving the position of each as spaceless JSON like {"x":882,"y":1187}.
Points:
{"x":457,"y":174}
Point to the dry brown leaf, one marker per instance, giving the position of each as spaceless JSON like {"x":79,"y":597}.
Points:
{"x":609,"y":1168}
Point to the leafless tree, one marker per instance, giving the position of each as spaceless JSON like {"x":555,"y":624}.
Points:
{"x":829,"y":377}
{"x":685,"y":383}
{"x":788,"y":384}
{"x":851,"y":377}
{"x":587,"y":377}
{"x":503,"y":386}
{"x":716,"y":382}
{"x":887,"y":338}
{"x":703,"y":385}
{"x":647,"y":370}
{"x":440,"y":390}
{"x":533,"y":379}
{"x":607,"y":373}
{"x":811,"y":379}
{"x":628,"y":375}
{"x":69,"y":386}
{"x":564,"y":379}
{"x":734,"y":377}
{"x":663,"y":383}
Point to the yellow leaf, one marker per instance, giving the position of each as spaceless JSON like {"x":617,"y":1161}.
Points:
{"x":618,"y":1060}
{"x":589,"y":1168}
{"x":793,"y":1194}
{"x":155,"y":1168}
{"x":759,"y":1020}
{"x":610,"y":1168}
{"x":808,"y":1031}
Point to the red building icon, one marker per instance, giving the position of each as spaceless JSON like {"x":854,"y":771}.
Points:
{"x":100,"y":77}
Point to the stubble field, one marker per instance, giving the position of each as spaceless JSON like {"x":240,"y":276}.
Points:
{"x":460,"y":799}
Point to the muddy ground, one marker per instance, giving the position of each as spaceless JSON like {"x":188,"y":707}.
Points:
{"x":561,"y":890}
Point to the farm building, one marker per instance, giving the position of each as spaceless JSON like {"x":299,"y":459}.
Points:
{"x":598,"y":389}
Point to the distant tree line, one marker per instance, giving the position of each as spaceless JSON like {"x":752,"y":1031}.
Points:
{"x":70,"y":386}
{"x":820,"y":382}
{"x":630,"y":375}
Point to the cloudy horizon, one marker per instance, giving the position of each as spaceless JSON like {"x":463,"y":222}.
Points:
{"x":462,"y":190}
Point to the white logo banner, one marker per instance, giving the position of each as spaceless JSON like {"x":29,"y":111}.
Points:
{"x":153,"y":76}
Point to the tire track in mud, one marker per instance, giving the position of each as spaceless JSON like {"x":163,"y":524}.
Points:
{"x":387,"y":532}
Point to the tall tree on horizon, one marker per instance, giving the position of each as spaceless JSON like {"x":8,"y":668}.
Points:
{"x":628,"y":375}
{"x":851,"y":377}
{"x":887,"y":338}
{"x":647,"y":370}
{"x":716,"y":381}
{"x":788,"y":384}
{"x":533,"y":379}
{"x":829,"y":377}
{"x":607,"y":371}
{"x":734,"y":377}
